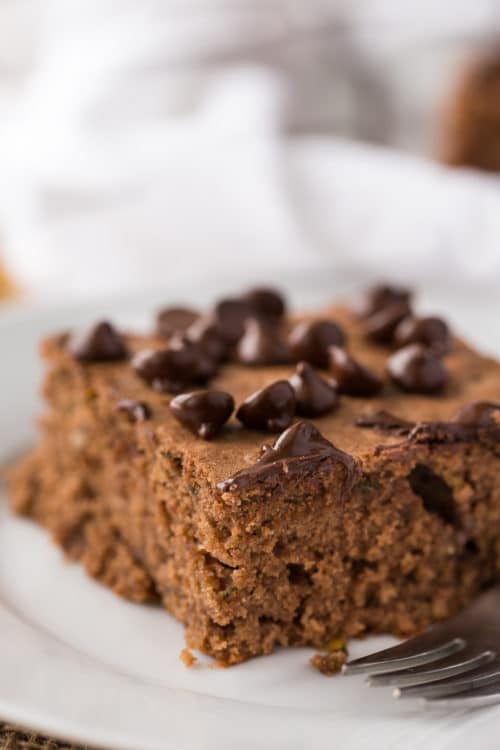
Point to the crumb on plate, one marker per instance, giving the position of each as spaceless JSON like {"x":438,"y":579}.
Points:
{"x":187,"y":658}
{"x":331,"y":661}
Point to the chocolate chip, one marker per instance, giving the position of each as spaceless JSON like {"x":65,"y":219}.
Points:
{"x":300,"y":449}
{"x":300,"y":440}
{"x":261,"y":344}
{"x":164,"y":370}
{"x":230,"y":315}
{"x":314,"y":395}
{"x":384,"y":420}
{"x":478,"y":414}
{"x":100,"y":343}
{"x":265,"y":302}
{"x":435,"y":493}
{"x":417,"y":369}
{"x":175,"y":367}
{"x":172,"y":320}
{"x":309,"y":341}
{"x":271,"y":408}
{"x":206,"y":367}
{"x":206,"y":334}
{"x":138,"y":411}
{"x":203,"y":412}
{"x":351,"y":377}
{"x":381,"y":325}
{"x":431,"y":332}
{"x":379,"y":297}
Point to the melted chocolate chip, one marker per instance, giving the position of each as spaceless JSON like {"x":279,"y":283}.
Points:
{"x":430,"y":332}
{"x":175,"y":367}
{"x":314,"y":395}
{"x":203,"y":412}
{"x":381,"y":325}
{"x":455,"y":432}
{"x":384,"y":420}
{"x":138,"y":411}
{"x":172,"y":320}
{"x":230,"y":316}
{"x":351,"y":377}
{"x":300,"y":449}
{"x":272,"y":408}
{"x":265,"y":302}
{"x":300,"y":440}
{"x":100,"y":343}
{"x":469,"y":427}
{"x":417,"y":370}
{"x":441,"y":432}
{"x":261,"y":345}
{"x":429,"y":433}
{"x":478,"y":414}
{"x":309,"y":341}
{"x":206,"y":334}
{"x":435,"y":493}
{"x":379,"y":297}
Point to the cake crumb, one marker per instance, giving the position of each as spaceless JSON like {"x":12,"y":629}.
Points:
{"x":187,"y":658}
{"x":329,"y":663}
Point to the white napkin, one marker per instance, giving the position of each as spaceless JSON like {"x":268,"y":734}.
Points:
{"x":161,"y":201}
{"x":133,"y":153}
{"x":386,"y":213}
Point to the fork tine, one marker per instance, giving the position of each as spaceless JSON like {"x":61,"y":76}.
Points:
{"x":455,"y":664}
{"x":413,"y":653}
{"x":475,"y":697}
{"x":488,"y":674}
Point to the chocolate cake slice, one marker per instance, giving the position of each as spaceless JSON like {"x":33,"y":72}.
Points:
{"x":357,"y":491}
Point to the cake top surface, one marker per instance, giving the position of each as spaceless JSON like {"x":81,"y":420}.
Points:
{"x":471,"y":377}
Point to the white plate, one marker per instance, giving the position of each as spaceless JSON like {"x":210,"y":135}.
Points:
{"x":79,"y":663}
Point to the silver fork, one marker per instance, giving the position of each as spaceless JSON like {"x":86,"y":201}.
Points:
{"x":455,"y":663}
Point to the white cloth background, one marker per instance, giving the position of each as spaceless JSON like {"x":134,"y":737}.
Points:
{"x":142,"y":140}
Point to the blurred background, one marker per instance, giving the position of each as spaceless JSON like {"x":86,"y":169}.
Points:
{"x":145,"y":141}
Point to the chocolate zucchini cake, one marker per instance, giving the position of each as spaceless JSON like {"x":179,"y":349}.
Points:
{"x":273,"y":478}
